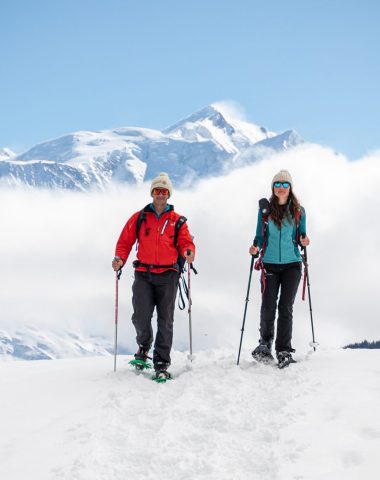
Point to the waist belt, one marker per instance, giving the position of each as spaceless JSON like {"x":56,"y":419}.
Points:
{"x":149,"y":266}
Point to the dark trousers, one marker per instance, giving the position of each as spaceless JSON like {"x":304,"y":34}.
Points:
{"x":149,"y":291}
{"x":287,"y":277}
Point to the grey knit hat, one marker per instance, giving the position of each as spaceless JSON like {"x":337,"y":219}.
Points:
{"x":162,"y":181}
{"x":283,"y":176}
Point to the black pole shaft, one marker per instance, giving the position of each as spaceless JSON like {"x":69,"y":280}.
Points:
{"x":309,"y":296}
{"x":245,"y":308}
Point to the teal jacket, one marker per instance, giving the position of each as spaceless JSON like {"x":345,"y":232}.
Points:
{"x":281,"y":242}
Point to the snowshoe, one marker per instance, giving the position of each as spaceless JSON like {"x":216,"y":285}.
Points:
{"x":140,"y":361}
{"x":162,"y":376}
{"x":262,"y":354}
{"x":284,"y":359}
{"x":140,"y":364}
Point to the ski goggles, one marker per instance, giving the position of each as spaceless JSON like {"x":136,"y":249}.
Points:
{"x":283,"y":184}
{"x":160,"y":191}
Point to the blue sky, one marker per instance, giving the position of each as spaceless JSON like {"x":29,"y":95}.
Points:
{"x":92,"y":65}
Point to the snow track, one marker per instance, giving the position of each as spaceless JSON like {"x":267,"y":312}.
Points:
{"x":317,"y":419}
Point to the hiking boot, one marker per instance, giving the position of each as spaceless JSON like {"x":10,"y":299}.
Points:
{"x":161,"y":369}
{"x":162,"y":375}
{"x":284,"y":359}
{"x":142,"y":354}
{"x":262,"y":353}
{"x":161,"y":366}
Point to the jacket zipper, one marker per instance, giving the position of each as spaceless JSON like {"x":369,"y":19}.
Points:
{"x":165,"y":224}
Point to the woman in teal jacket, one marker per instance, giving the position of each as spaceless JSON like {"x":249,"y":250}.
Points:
{"x":278,"y":238}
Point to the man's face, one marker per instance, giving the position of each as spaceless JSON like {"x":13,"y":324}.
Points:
{"x":160,"y":195}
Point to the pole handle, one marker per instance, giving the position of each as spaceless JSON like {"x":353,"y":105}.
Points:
{"x":255,"y":243}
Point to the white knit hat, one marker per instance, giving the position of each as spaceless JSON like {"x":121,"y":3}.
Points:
{"x":283,"y":176}
{"x":162,"y":181}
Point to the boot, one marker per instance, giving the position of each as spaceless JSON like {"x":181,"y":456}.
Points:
{"x":284,"y":359}
{"x":262,"y":353}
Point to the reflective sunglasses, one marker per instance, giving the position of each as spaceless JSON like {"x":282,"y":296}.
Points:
{"x":284,"y":184}
{"x":160,"y":191}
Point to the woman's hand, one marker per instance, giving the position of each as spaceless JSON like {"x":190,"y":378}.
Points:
{"x":254,"y":250}
{"x":304,"y":241}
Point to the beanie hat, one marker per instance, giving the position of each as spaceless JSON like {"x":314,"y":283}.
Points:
{"x":162,"y":181}
{"x":283,"y":176}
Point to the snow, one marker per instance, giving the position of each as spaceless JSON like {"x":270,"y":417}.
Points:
{"x":77,"y":419}
{"x":6,"y":154}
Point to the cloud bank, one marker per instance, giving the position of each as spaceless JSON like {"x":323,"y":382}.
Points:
{"x":56,"y":249}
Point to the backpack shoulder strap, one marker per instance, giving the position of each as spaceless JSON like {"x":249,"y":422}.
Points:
{"x":141,"y":218}
{"x":297,"y":218}
{"x":178,"y":224}
{"x":265,"y":212}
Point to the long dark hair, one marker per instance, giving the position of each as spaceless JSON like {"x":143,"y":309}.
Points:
{"x":279,"y":212}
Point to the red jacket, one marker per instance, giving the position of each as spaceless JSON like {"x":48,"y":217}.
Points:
{"x":156,"y":239}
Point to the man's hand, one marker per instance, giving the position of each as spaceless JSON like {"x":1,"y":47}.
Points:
{"x":117,"y":263}
{"x":189,"y":256}
{"x":304,"y":241}
{"x":253,"y":250}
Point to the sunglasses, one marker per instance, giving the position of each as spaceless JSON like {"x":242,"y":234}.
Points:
{"x":160,"y":191}
{"x":279,"y":184}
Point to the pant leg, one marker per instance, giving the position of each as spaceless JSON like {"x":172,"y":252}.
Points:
{"x":290,"y":279}
{"x":143,"y":305}
{"x":166,"y":285}
{"x":269,"y":304}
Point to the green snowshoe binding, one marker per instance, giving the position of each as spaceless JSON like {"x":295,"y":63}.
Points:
{"x":140,"y":361}
{"x":162,"y":374}
{"x":140,"y":364}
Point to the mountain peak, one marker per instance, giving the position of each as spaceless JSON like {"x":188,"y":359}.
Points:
{"x":6,"y":154}
{"x":209,"y":113}
{"x":222,"y":123}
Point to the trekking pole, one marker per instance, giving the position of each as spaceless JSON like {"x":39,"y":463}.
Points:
{"x":313,"y":343}
{"x":117,"y":277}
{"x":190,"y":357}
{"x":247,"y":299}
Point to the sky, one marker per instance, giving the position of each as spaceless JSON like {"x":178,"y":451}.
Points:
{"x":94,"y":65}
{"x":57,"y":246}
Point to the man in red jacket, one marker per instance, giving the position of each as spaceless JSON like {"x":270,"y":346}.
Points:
{"x":157,"y":270}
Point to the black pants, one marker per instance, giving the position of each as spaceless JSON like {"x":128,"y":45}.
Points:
{"x":149,"y":291}
{"x":287,"y":277}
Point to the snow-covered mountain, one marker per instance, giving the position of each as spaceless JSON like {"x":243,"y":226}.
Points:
{"x":33,"y":344}
{"x":207,"y":143}
{"x":6,"y":154}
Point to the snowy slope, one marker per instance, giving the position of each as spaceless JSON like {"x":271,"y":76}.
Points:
{"x":77,"y":420}
{"x":207,"y":143}
{"x":35,"y":344}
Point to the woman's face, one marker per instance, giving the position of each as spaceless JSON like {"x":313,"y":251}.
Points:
{"x":281,"y":191}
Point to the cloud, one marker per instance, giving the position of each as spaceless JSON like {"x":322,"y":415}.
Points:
{"x":231,"y":109}
{"x":56,"y":249}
